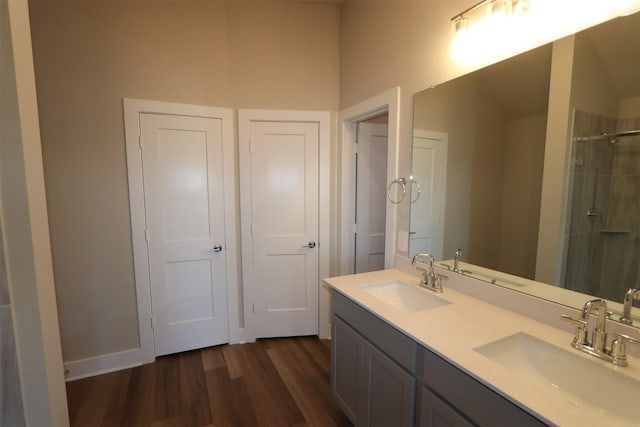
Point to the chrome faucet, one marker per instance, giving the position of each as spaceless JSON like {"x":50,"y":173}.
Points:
{"x":597,"y":346}
{"x":632,"y":294}
{"x":599,"y":335}
{"x":456,"y":259}
{"x":430,"y":279}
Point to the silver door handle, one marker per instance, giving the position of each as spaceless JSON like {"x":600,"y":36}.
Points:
{"x":216,"y":248}
{"x":310,"y":245}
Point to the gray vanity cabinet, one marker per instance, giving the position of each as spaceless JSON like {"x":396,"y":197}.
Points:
{"x":372,"y":386}
{"x":377,"y":371}
{"x":347,"y":359}
{"x":448,"y":396}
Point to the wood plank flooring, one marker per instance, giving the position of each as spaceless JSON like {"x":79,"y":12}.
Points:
{"x":273,"y":382}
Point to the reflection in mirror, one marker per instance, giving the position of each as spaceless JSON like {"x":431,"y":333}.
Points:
{"x":491,"y":126}
{"x":603,"y":245}
{"x":428,"y":188}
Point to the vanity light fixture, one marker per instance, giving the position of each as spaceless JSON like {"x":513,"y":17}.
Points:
{"x":500,"y":8}
{"x":492,"y":30}
{"x":520,"y":6}
{"x":496,"y":7}
{"x":460,"y":41}
{"x":479,"y":23}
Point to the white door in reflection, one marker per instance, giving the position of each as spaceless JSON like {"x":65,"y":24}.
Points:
{"x":284,"y":225}
{"x":184,"y":207}
{"x":427,"y":191}
{"x":371,"y":196}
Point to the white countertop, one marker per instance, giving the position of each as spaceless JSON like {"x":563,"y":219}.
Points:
{"x":454,"y":330}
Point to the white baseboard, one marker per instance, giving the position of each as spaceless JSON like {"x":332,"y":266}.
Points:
{"x":77,"y":369}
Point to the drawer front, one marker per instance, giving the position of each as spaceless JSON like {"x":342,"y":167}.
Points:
{"x":473,"y":399}
{"x":394,"y":343}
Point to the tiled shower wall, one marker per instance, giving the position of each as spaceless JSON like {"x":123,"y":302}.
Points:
{"x":605,"y":179}
{"x":620,"y":266}
{"x":11,"y":409}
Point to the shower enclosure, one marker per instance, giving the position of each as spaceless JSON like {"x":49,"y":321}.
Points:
{"x":603,"y":224}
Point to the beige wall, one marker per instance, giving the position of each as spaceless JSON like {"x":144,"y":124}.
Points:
{"x":283,"y":55}
{"x":522,"y":185}
{"x":592,"y":89}
{"x":629,"y":107}
{"x":88,"y":56}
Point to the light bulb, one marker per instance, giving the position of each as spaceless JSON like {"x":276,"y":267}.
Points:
{"x":500,"y":8}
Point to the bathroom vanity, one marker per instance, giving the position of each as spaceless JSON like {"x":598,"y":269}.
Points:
{"x":402,"y":355}
{"x":382,"y":377}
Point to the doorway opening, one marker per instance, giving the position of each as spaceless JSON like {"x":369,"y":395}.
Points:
{"x":370,"y":193}
{"x":379,"y":251}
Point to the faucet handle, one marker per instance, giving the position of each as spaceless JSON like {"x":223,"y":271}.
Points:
{"x":440,"y":277}
{"x":579,"y":322}
{"x":618,"y":348}
{"x":437,"y":281}
{"x":608,"y":313}
{"x":421,"y":268}
{"x":581,"y":330}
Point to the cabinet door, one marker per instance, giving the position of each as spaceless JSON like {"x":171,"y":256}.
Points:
{"x":390,"y":391}
{"x":434,"y":412}
{"x":347,"y":359}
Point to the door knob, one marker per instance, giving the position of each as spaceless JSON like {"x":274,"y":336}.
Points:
{"x":216,"y":248}
{"x":310,"y":245}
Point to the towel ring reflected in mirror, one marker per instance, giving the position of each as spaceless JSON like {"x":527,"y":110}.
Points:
{"x":419,"y":190}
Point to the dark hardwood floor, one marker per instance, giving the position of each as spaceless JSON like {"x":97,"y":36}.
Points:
{"x":273,"y":382}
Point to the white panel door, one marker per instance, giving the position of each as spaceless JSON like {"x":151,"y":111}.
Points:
{"x":371,"y":196}
{"x":284,"y":210}
{"x":426,"y":234}
{"x":184,"y":204}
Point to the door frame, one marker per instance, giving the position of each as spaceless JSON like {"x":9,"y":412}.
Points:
{"x":386,"y":102}
{"x":323,"y":118}
{"x":132,"y":110}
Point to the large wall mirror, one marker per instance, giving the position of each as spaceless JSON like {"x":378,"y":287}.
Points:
{"x":479,"y":163}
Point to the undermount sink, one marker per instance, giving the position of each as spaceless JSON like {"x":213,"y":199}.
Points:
{"x":583,"y":382}
{"x":404,"y":297}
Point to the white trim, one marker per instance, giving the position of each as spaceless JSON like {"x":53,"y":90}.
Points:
{"x":26,"y":238}
{"x":245,"y":227}
{"x":323,"y":118}
{"x":388,"y":102}
{"x":132,"y":110}
{"x":102,"y":364}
